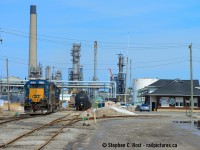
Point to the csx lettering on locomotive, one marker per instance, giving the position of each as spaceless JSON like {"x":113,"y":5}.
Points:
{"x":41,"y":95}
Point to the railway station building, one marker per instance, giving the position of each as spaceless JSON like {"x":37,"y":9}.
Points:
{"x":171,"y":94}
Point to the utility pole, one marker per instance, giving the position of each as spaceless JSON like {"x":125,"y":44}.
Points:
{"x":63,"y":96}
{"x":8,"y":85}
{"x":130,"y":73}
{"x":191,"y":79}
{"x":0,"y":86}
{"x":95,"y":61}
{"x":95,"y":91}
{"x":1,"y":40}
{"x":126,"y":85}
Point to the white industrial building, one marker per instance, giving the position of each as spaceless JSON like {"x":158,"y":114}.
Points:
{"x":138,"y":84}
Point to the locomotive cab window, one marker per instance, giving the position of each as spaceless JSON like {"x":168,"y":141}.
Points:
{"x":37,"y":86}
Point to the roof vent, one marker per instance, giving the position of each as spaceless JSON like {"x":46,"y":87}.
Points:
{"x":178,"y":80}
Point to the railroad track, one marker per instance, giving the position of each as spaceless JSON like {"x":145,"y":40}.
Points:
{"x":44,"y":134}
{"x":71,"y":121}
{"x":55,"y":127}
{"x":20,"y":117}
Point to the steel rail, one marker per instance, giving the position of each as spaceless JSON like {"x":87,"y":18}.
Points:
{"x":21,"y":117}
{"x":74,"y":121}
{"x":11,"y":120}
{"x":58,"y":132}
{"x":36,"y":129}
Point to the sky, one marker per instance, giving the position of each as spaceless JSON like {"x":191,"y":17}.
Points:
{"x":154,"y":35}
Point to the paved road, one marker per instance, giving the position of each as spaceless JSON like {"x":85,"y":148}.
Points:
{"x":142,"y":133}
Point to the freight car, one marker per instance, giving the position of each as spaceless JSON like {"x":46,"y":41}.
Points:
{"x":82,"y":101}
{"x":41,"y":95}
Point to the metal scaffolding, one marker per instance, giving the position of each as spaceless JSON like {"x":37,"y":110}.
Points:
{"x":76,"y":72}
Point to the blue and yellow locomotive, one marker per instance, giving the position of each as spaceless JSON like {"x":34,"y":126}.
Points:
{"x":41,"y":95}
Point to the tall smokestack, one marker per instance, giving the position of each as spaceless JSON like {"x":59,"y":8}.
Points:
{"x":33,"y":38}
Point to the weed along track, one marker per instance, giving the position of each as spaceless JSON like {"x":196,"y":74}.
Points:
{"x":40,"y":136}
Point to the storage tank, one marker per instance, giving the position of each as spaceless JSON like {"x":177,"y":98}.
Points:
{"x":139,"y":84}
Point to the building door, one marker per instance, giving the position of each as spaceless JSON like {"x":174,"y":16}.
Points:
{"x":153,"y":106}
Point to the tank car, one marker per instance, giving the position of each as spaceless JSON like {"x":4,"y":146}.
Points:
{"x":82,"y":101}
{"x":41,"y":95}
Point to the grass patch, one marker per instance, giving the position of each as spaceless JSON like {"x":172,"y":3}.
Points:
{"x":15,"y":107}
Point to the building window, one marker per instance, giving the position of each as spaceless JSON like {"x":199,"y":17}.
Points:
{"x":195,"y":102}
{"x":187,"y":102}
{"x":164,"y":101}
{"x":172,"y":101}
{"x":179,"y":101}
{"x":141,"y":99}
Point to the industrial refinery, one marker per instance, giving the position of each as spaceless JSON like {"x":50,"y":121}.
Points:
{"x":87,"y":75}
{"x":113,"y":89}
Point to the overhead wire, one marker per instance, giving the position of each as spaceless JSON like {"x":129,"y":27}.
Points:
{"x":105,"y":42}
{"x":44,"y":38}
{"x":106,"y":45}
{"x":65,"y":63}
{"x":102,"y":44}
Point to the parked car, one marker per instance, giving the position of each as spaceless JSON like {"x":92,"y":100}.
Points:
{"x":144,"y":107}
{"x":129,"y":105}
{"x":123,"y":105}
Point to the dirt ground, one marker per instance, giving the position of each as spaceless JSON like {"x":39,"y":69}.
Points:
{"x":145,"y":130}
{"x":141,"y":133}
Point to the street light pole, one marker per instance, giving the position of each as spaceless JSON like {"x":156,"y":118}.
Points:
{"x":1,"y":40}
{"x":8,"y":85}
{"x":126,"y":85}
{"x":191,"y":80}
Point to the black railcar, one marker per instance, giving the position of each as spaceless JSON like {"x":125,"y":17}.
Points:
{"x":82,"y":101}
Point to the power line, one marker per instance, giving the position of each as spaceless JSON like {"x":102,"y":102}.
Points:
{"x":140,"y":67}
{"x":117,"y":45}
{"x":101,"y":47}
{"x":84,"y":64}
{"x":152,"y":66}
{"x":42,"y":35}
